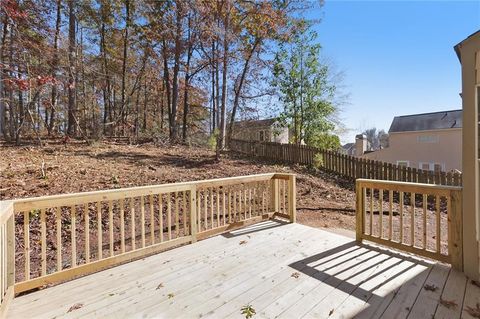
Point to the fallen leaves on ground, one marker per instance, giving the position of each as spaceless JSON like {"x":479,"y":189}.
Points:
{"x":474,"y":312}
{"x":75,"y":307}
{"x":448,"y":303}
{"x":429,"y":287}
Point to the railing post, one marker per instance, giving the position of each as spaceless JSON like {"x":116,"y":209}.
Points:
{"x":455,"y":233}
{"x":192,"y":198}
{"x":359,"y":211}
{"x":274,"y":195}
{"x":292,"y":198}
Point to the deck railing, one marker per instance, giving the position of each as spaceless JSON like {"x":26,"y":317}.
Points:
{"x":418,"y":218}
{"x":65,"y":236}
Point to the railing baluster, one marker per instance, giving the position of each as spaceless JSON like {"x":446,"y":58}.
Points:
{"x":169,"y":216}
{"x":401,"y":216}
{"x":133,"y":234}
{"x":86,"y":216}
{"x":380,"y":211}
{"x":372,"y":197}
{"x":223,"y":206}
{"x":58,"y":218}
{"x":26,"y":230}
{"x":43,"y":241}
{"x":199,"y":212}
{"x":152,"y":220}
{"x":437,"y":213}
{"x":229,"y":195}
{"x":390,"y":214}
{"x":177,"y":216}
{"x":185,"y":214}
{"x":142,"y":219}
{"x":99,"y":230}
{"x":73,"y":234}
{"x":424,"y":198}
{"x":160,"y":204}
{"x":210,"y":196}
{"x":110,"y":227}
{"x":122,"y":225}
{"x":412,"y":219}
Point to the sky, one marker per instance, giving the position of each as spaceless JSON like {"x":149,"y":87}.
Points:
{"x":396,"y":57}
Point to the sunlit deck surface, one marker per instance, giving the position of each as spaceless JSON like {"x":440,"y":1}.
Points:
{"x":281,"y":270}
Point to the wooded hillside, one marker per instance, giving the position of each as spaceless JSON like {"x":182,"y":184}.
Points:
{"x":175,"y":68}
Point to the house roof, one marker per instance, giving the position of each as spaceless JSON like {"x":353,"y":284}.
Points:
{"x":348,"y":146}
{"x":255,"y":123}
{"x":459,"y":45}
{"x":427,"y":121}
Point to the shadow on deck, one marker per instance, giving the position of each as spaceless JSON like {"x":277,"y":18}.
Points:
{"x":281,"y":270}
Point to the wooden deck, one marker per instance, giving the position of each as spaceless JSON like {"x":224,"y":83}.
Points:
{"x":281,"y":270}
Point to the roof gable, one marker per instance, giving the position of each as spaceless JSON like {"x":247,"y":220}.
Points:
{"x":427,"y":121}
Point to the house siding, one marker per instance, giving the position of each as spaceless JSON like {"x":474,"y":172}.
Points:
{"x":434,"y":146}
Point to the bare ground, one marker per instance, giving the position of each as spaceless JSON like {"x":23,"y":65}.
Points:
{"x":323,"y":200}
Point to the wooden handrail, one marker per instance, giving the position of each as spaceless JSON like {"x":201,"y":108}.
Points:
{"x":118,"y":225}
{"x":411,"y":216}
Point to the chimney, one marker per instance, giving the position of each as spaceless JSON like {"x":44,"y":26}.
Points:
{"x":360,"y":144}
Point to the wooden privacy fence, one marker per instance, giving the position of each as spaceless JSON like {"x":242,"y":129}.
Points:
{"x":64,"y":236}
{"x":418,"y":218}
{"x":342,"y":164}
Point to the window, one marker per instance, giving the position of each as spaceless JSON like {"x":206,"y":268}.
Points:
{"x":261,"y":136}
{"x":437,"y":167}
{"x":403,"y":163}
{"x":427,"y":139}
{"x":424,"y":166}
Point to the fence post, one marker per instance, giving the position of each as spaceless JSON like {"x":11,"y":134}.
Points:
{"x":359,"y":211}
{"x":455,"y":233}
{"x":292,"y":198}
{"x":193,"y":212}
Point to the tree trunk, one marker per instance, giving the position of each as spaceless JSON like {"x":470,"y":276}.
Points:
{"x":71,"y":71}
{"x":176,"y":70}
{"x":221,"y":139}
{"x":124,"y":107}
{"x":51,"y":122}
{"x":238,"y":90}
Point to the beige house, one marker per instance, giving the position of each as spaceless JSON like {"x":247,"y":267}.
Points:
{"x":267,"y":130}
{"x":429,"y":141}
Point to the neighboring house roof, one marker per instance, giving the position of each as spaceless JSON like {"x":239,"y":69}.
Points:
{"x":427,"y":121}
{"x":255,"y":123}
{"x":348,"y":146}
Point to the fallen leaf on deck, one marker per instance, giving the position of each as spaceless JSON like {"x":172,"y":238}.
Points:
{"x":430,"y":287}
{"x":474,"y":312}
{"x":295,"y":275}
{"x":243,"y":242}
{"x":170,"y":295}
{"x":331,"y":312}
{"x":160,"y":285}
{"x":75,"y":307}
{"x":448,"y":303}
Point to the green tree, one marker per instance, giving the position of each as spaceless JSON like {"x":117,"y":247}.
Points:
{"x":305,"y":90}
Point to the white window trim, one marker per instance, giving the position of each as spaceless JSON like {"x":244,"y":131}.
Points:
{"x":403,"y":161}
{"x":431,"y":165}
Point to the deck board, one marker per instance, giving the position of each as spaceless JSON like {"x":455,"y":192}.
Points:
{"x":281,"y":270}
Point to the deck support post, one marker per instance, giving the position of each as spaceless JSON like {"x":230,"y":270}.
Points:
{"x":292,"y":198}
{"x":359,"y":212}
{"x":455,"y":233}
{"x":274,"y":195}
